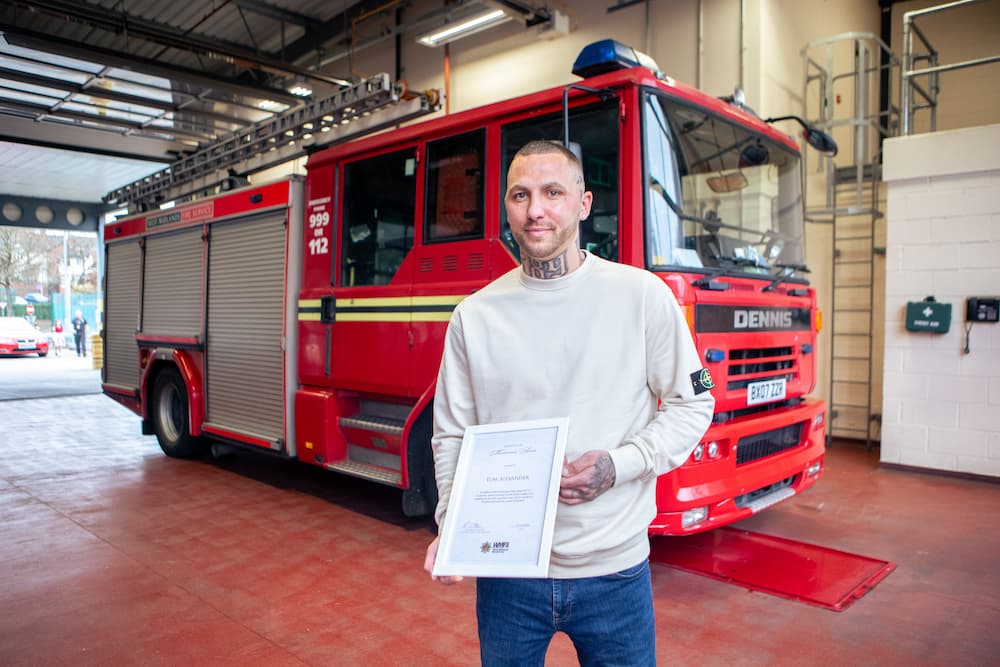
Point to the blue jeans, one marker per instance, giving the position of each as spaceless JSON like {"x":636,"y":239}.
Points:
{"x":609,"y":618}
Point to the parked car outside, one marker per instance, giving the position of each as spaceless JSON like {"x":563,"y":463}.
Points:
{"x":17,"y":336}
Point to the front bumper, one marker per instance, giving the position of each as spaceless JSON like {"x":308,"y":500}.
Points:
{"x":723,"y":490}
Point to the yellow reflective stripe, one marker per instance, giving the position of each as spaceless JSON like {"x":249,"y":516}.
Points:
{"x":385,"y":309}
{"x":438,"y":300}
{"x":309,"y":310}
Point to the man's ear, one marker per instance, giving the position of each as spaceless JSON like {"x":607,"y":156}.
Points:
{"x":585,"y":203}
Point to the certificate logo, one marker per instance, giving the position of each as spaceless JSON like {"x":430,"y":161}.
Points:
{"x":494,"y":547}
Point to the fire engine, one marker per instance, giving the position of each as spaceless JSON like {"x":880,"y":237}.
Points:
{"x":306,"y":317}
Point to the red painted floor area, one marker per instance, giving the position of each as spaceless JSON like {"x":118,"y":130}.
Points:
{"x":113,"y":554}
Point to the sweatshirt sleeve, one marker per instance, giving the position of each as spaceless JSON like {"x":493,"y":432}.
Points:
{"x":454,"y":410}
{"x":685,"y":406}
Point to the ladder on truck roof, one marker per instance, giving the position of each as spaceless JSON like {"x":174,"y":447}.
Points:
{"x":367,"y":106}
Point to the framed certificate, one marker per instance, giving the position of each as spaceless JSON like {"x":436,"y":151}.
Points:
{"x":502,"y":508}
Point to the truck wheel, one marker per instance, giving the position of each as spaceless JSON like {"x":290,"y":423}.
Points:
{"x":170,"y":417}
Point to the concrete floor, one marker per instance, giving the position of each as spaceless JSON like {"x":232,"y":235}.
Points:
{"x":114,"y":554}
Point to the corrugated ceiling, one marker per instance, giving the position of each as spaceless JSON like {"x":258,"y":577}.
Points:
{"x":103,"y":95}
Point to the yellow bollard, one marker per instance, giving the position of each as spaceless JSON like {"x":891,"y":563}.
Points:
{"x":97,"y":351}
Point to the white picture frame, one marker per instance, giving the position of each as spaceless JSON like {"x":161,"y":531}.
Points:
{"x":502,"y":509}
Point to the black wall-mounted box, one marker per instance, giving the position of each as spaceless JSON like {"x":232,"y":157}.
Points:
{"x":982,"y":309}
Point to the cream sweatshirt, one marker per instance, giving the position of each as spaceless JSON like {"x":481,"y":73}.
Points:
{"x":601,"y":346}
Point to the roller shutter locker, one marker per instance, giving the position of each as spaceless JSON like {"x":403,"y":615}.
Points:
{"x":244,"y":356}
{"x":172,"y":283}
{"x":121,"y":317}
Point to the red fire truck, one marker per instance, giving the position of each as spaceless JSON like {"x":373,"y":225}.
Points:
{"x":306,"y":317}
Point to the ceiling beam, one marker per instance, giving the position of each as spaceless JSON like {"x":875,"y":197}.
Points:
{"x":90,"y":140}
{"x":20,"y":36}
{"x":40,"y":112}
{"x":320,"y":33}
{"x":274,"y":12}
{"x":115,"y":96}
{"x":169,"y":36}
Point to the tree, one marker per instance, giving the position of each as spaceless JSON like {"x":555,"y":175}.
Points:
{"x":21,"y":252}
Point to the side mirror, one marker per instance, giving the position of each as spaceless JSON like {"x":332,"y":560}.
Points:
{"x":818,"y":139}
{"x":821,"y":141}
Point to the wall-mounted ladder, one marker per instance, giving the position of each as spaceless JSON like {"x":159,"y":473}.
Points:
{"x":844,"y":101}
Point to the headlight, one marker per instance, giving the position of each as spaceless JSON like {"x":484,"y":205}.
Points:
{"x":693,"y":516}
{"x":818,"y":420}
{"x":699,"y":452}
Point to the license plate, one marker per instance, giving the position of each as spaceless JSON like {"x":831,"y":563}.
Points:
{"x":766,"y":391}
{"x":26,"y":345}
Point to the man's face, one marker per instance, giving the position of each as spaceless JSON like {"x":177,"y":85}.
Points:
{"x":545,"y":203}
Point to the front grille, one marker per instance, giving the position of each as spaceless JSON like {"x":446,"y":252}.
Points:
{"x":725,"y":415}
{"x":761,"y":445}
{"x":755,"y":364}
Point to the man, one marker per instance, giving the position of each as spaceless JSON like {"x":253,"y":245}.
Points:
{"x":568,"y":333}
{"x":80,"y":334}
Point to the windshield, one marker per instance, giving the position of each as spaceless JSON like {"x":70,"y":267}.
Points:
{"x":718,"y":195}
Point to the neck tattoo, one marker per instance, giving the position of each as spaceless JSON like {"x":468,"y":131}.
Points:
{"x":556,"y":267}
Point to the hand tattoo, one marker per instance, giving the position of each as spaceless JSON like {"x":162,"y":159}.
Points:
{"x":604,"y":476}
{"x":586,"y":484}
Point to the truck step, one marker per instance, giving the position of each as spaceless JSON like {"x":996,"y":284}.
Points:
{"x":770,"y":499}
{"x":368,"y":471}
{"x":374,"y":423}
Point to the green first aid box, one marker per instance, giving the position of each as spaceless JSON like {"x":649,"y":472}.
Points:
{"x":928,"y":316}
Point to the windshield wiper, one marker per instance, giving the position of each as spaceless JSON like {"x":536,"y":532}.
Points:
{"x":735,"y":264}
{"x":785,"y":271}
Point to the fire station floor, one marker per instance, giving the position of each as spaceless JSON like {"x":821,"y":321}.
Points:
{"x":113,"y":554}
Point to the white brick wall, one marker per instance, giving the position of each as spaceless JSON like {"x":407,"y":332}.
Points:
{"x":941,"y":407}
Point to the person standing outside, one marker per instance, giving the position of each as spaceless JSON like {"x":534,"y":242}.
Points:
{"x":80,"y":334}
{"x":58,"y":337}
{"x":571,"y":334}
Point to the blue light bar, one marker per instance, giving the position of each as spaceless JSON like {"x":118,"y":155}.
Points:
{"x":609,"y":55}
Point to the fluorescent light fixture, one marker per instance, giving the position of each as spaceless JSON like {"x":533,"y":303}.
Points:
{"x":467,"y":26}
{"x":300,"y":90}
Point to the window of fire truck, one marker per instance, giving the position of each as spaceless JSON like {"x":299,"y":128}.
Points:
{"x":593,"y":132}
{"x":454,"y":190}
{"x":379,"y":203}
{"x":717,"y":194}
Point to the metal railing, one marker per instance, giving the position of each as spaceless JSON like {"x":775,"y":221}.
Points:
{"x":929,"y":91}
{"x":861,"y":125}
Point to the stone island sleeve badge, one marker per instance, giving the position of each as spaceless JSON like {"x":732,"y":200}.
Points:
{"x":701,"y":381}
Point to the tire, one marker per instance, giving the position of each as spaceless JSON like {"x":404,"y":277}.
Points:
{"x":169,"y":411}
{"x":42,"y":354}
